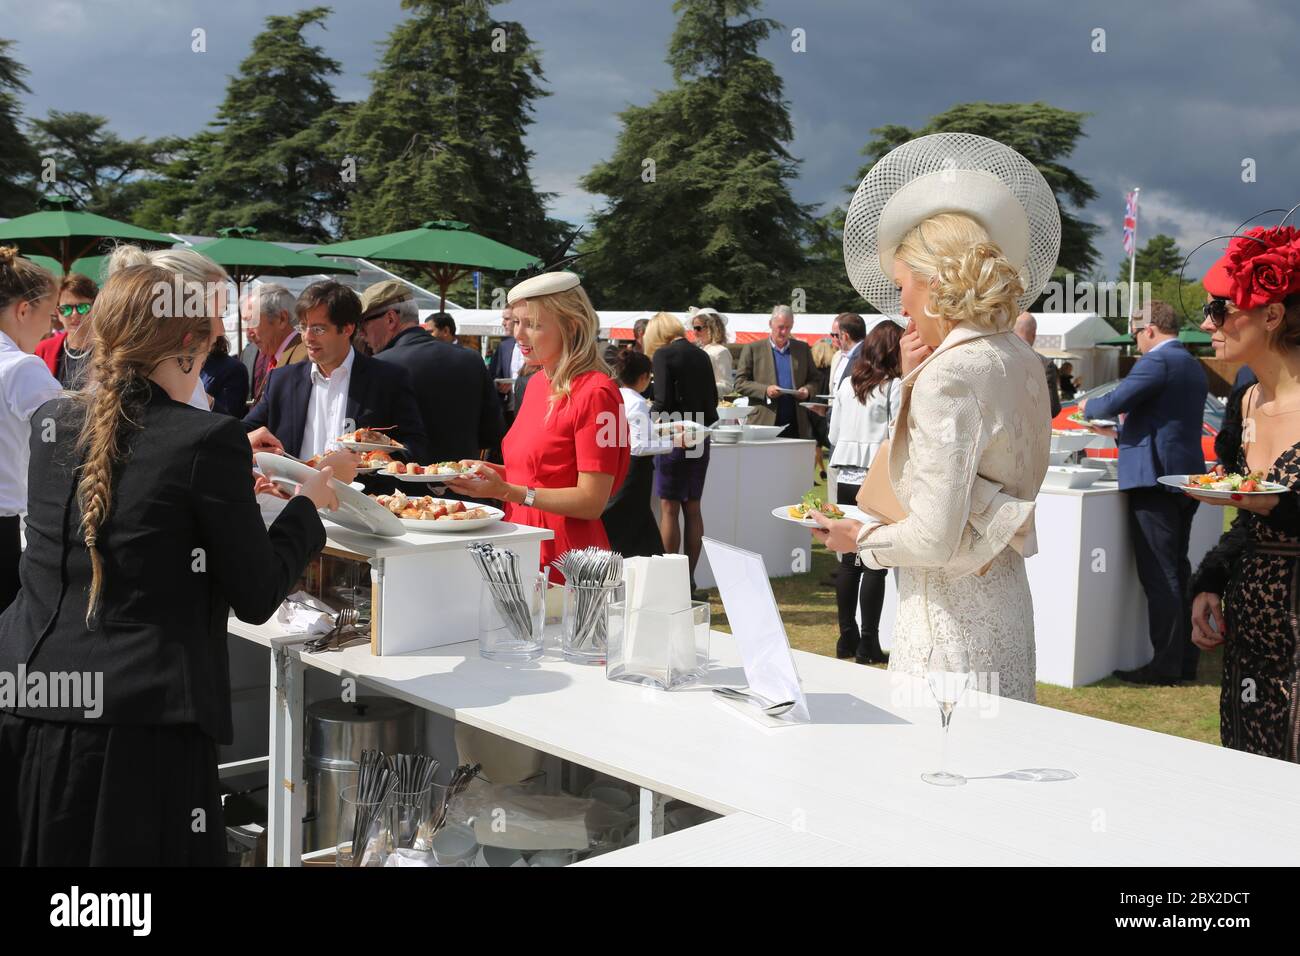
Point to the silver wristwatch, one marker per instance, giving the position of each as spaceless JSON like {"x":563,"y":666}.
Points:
{"x":530,"y":494}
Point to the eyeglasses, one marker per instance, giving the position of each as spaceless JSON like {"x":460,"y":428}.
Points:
{"x":1217,"y":311}
{"x":81,"y":308}
{"x":313,"y":329}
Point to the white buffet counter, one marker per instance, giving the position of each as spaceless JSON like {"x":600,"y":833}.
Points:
{"x":1090,"y":614}
{"x":744,"y":483}
{"x":846,"y":787}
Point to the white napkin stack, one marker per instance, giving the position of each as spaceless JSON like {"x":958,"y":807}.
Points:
{"x":293,"y":618}
{"x":656,"y":587}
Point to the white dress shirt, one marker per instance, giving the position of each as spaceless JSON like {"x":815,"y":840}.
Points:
{"x":639,"y":435}
{"x":516,"y":360}
{"x":25,"y":385}
{"x":326,"y":408}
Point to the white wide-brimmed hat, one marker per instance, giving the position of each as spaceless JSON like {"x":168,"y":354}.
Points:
{"x":951,"y":172}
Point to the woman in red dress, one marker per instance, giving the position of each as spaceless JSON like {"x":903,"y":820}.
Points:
{"x":567,"y":450}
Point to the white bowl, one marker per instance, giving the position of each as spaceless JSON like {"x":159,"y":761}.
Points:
{"x":726,"y":434}
{"x":1076,"y":442}
{"x":735,"y":413}
{"x":1062,"y":477}
{"x":761,"y":432}
{"x":1059,"y":457}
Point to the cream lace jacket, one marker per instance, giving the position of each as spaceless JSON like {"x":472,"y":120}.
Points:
{"x":969,"y":451}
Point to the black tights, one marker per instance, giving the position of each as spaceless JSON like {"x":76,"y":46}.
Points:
{"x":858,"y":588}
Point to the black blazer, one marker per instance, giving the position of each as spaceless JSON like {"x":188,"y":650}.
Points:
{"x":499,"y":367}
{"x":378,"y":396}
{"x":684,"y":383}
{"x":184,"y":544}
{"x":453,"y":391}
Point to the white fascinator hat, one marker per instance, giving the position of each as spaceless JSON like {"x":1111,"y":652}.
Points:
{"x":959,"y":173}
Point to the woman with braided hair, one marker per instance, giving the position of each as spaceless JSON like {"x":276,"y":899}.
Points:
{"x":142,"y":535}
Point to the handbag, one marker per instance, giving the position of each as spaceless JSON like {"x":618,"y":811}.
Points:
{"x":876,"y":495}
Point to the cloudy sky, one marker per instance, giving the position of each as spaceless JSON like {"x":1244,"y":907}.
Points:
{"x":1184,"y":93}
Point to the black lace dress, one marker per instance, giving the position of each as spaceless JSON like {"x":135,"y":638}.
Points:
{"x":1255,"y":569}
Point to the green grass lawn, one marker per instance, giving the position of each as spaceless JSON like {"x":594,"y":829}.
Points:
{"x":1190,"y":710}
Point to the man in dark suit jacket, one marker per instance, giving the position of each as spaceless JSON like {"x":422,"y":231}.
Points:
{"x":305,"y":412}
{"x":500,"y":365}
{"x":457,"y":401}
{"x":778,"y":362}
{"x":1163,"y":401}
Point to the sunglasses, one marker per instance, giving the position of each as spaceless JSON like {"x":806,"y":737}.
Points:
{"x":1216,"y":310}
{"x":697,"y":328}
{"x":81,"y":308}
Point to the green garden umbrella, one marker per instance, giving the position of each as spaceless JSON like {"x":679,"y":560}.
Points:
{"x":246,"y":258}
{"x":447,"y":248}
{"x":90,"y":266}
{"x":66,"y":234}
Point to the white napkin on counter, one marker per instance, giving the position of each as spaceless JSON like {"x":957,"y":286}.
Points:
{"x":293,"y":618}
{"x":655,"y":643}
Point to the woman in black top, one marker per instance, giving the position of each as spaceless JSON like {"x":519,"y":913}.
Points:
{"x":629,"y":522}
{"x":225,"y":379}
{"x":684,"y":390}
{"x":143,"y":533}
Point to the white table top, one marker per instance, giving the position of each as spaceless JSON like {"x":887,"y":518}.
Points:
{"x":853,"y":776}
{"x":739,"y":840}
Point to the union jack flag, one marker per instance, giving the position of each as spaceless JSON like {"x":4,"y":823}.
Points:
{"x":1130,"y":221}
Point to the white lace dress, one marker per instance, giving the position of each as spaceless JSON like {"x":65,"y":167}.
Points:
{"x":969,"y":452}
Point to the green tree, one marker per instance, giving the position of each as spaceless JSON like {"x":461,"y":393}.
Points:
{"x":1045,"y":135}
{"x":698,"y":207}
{"x":441,"y":135}
{"x":268,"y":162}
{"x":103,"y":172}
{"x":18,"y":161}
{"x":1159,"y":258}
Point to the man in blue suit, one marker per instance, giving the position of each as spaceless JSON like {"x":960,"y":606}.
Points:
{"x":306,"y":405}
{"x":1163,"y":401}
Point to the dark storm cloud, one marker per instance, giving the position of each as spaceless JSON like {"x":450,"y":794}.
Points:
{"x":1183,"y":94}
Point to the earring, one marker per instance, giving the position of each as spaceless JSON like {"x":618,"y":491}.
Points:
{"x":186,"y":363}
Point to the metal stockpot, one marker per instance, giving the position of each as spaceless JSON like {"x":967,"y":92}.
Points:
{"x":336,"y":734}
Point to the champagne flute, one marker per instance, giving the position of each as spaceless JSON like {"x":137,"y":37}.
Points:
{"x":949,"y":673}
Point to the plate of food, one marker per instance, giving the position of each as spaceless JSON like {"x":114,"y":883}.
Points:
{"x":356,"y":511}
{"x":1095,"y":422}
{"x":437,"y":515}
{"x":436,"y":473}
{"x":731,"y":412}
{"x":370,"y":439}
{"x":813,"y":405}
{"x":1221,"y":483}
{"x":801,"y":514}
{"x":368,"y":462}
{"x":692,"y":432}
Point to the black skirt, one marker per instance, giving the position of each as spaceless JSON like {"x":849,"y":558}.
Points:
{"x":11,"y":551}
{"x":83,"y":794}
{"x":629,"y":522}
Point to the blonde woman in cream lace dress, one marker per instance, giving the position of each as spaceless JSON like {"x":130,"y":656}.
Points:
{"x":968,"y":453}
{"x":969,"y":447}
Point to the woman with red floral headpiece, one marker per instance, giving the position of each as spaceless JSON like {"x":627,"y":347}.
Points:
{"x":1247,"y":588}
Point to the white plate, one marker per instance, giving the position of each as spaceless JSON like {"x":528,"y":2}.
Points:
{"x":814,"y":405}
{"x":850,"y":511}
{"x":367,"y":446}
{"x":504,"y":381}
{"x":1180,"y":482}
{"x":434,"y":479}
{"x":1098,"y":422}
{"x":444,"y":525}
{"x":761,"y":432}
{"x":355,"y":511}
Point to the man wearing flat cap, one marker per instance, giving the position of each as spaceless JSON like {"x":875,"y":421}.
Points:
{"x":454,"y":392}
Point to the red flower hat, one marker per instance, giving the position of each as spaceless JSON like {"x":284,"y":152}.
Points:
{"x":1259,"y":267}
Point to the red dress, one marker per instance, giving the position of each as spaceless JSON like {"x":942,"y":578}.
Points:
{"x":585,"y":432}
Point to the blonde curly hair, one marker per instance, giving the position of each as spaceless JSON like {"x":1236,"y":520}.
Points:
{"x":971,"y":282}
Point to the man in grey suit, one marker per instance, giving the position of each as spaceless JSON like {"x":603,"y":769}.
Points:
{"x":770,"y":370}
{"x":1027,"y":329}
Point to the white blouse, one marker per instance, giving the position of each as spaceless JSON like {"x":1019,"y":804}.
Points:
{"x":25,"y":385}
{"x":858,"y":428}
{"x":723,"y":373}
{"x":639,"y":435}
